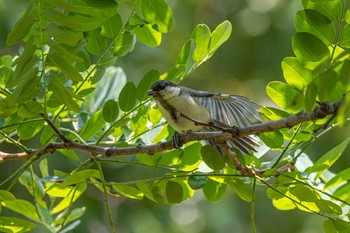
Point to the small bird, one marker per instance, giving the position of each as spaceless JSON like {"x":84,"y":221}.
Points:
{"x":183,"y":107}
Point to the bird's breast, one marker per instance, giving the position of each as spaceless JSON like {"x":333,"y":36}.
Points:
{"x":174,"y":108}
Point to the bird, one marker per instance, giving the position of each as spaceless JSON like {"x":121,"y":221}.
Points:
{"x":183,"y":108}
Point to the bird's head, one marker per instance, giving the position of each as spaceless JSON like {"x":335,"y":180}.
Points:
{"x":164,"y":89}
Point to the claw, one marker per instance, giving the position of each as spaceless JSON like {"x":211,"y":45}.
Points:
{"x":176,"y":140}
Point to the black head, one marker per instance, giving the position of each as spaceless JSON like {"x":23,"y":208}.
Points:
{"x":160,"y":85}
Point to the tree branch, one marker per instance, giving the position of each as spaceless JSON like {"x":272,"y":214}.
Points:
{"x":321,"y":111}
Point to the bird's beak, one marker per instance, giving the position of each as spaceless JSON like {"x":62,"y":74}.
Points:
{"x":151,"y":92}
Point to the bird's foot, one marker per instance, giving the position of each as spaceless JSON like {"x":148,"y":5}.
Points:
{"x":176,"y":140}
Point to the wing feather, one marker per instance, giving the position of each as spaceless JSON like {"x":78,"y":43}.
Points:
{"x":232,"y":110}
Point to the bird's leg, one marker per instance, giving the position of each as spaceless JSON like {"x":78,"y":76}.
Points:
{"x":176,"y":140}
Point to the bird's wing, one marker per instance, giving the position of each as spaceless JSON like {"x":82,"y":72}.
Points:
{"x":232,"y":110}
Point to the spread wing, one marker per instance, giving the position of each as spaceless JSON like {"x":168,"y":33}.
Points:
{"x":231,"y":110}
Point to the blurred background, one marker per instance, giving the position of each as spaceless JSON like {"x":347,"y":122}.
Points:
{"x":244,"y":65}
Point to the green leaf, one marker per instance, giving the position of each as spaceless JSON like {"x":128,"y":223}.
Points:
{"x":315,"y":23}
{"x":145,"y":32}
{"x":29,"y":109}
{"x":72,"y":195}
{"x":329,"y":8}
{"x":309,"y":48}
{"x":174,"y":74}
{"x":213,"y":190}
{"x":185,"y":55}
{"x":285,"y":96}
{"x":157,"y":13}
{"x":65,"y":67}
{"x":326,"y":84}
{"x":22,"y":207}
{"x":92,"y":126}
{"x":335,"y":225}
{"x":212,"y":157}
{"x":27,"y":88}
{"x":344,"y":39}
{"x":96,"y":43}
{"x":44,"y":168}
{"x":310,"y":96}
{"x":48,"y":133}
{"x":7,"y":108}
{"x":295,"y":73}
{"x":191,"y":157}
{"x":128,"y":97}
{"x":124,"y":44}
{"x":197,"y":181}
{"x":219,"y":36}
{"x":28,"y":131}
{"x":339,"y":178}
{"x":63,"y":19}
{"x":201,"y":36}
{"x":112,"y":26}
{"x":94,"y":9}
{"x":343,"y":192}
{"x":272,"y":139}
{"x":15,"y":225}
{"x":81,"y":176}
{"x":110,"y":111}
{"x":171,"y":158}
{"x":328,"y":159}
{"x":150,"y":160}
{"x":6,"y":196}
{"x":174,"y":192}
{"x":64,"y":35}
{"x":146,"y":82}
{"x":241,"y":189}
{"x":21,"y":28}
{"x":128,"y":191}
{"x":63,"y":95}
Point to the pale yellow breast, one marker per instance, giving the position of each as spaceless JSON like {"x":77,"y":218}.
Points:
{"x":191,"y":108}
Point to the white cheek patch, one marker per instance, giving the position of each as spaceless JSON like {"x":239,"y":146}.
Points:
{"x":170,"y":92}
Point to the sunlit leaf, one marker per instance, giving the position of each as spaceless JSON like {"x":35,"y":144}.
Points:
{"x":201,"y":37}
{"x":295,"y":73}
{"x":71,"y":197}
{"x":157,"y":13}
{"x":145,"y":32}
{"x":15,"y":225}
{"x":65,"y":67}
{"x":326,"y":85}
{"x":330,"y":8}
{"x":220,"y":35}
{"x":328,"y":159}
{"x":128,"y":191}
{"x":22,"y":207}
{"x":313,"y":22}
{"x":309,"y":48}
{"x":286,"y":96}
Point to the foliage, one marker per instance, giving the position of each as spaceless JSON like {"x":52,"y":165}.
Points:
{"x":66,"y":71}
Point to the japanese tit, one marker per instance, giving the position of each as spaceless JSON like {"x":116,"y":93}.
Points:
{"x":182,"y":107}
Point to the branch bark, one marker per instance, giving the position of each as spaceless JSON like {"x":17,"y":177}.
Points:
{"x":321,"y":111}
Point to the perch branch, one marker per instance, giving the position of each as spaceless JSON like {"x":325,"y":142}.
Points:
{"x":321,"y":111}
